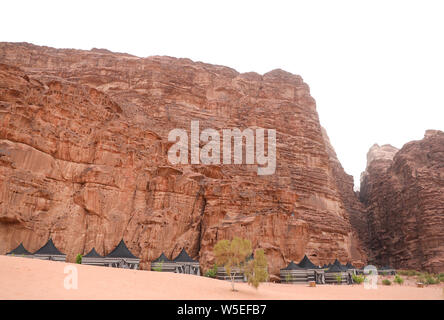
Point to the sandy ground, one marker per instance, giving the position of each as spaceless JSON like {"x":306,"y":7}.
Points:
{"x":22,"y":278}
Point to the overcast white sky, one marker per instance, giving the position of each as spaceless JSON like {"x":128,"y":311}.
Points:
{"x":375,"y":68}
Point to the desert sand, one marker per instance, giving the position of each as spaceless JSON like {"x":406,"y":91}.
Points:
{"x":23,"y":278}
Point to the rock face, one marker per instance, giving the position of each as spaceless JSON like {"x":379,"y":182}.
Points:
{"x":83,"y":159}
{"x":404,"y":195}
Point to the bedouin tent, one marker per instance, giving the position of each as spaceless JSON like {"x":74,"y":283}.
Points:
{"x":49,"y":252}
{"x":386,"y":270}
{"x":20,"y":251}
{"x":121,"y":257}
{"x":337,"y":269}
{"x":162,"y":263}
{"x":340,"y":265}
{"x":185,"y":264}
{"x":314,"y":273}
{"x":294,"y":274}
{"x":237,"y":272}
{"x":93,"y":258}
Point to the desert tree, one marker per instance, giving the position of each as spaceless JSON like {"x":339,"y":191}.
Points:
{"x":232,"y":255}
{"x":256,"y":269}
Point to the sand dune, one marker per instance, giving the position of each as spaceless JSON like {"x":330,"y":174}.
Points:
{"x":22,"y":278}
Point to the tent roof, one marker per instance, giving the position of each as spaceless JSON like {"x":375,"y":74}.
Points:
{"x":121,"y":251}
{"x":162,"y":258}
{"x":20,"y":250}
{"x":49,"y":248}
{"x":306,"y":263}
{"x":292,"y":266}
{"x":183,"y":257}
{"x":92,"y":254}
{"x":335,"y":268}
{"x":339,"y":265}
{"x":385,"y":268}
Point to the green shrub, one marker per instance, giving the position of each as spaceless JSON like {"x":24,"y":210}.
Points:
{"x":79,"y":259}
{"x":358,"y":279}
{"x":428,"y":278}
{"x":431,"y":279}
{"x":159,"y":267}
{"x":288,"y":278}
{"x":398,"y":279}
{"x":338,"y":278}
{"x":211,"y":273}
{"x":441,"y":277}
{"x":386,"y":282}
{"x":409,"y":273}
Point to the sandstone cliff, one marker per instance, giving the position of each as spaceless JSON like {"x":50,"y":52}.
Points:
{"x":83,"y":159}
{"x":404,"y":195}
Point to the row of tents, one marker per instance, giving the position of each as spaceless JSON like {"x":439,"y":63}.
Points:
{"x":119,"y":257}
{"x":306,"y":271}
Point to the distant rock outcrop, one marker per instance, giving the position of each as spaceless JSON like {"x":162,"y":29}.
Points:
{"x":404,"y":195}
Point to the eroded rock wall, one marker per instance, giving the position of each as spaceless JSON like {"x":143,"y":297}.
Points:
{"x":83,"y":159}
{"x":404,"y":195}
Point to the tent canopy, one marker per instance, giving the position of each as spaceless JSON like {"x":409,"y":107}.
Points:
{"x":306,"y":263}
{"x":20,"y":250}
{"x":162,"y":258}
{"x":121,"y":251}
{"x":49,"y":249}
{"x":184,"y":257}
{"x":292,"y":266}
{"x":92,"y":254}
{"x":335,"y":268}
{"x":339,"y":265}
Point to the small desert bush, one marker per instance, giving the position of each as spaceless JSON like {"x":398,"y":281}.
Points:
{"x":79,"y":259}
{"x":398,"y":280}
{"x":288,"y":278}
{"x":358,"y":279}
{"x":159,"y":267}
{"x":428,"y":278}
{"x":386,"y":282}
{"x":408,"y":273}
{"x":211,"y":273}
{"x":338,"y":279}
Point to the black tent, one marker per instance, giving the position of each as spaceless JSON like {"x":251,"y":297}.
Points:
{"x":339,"y":265}
{"x":162,"y":258}
{"x":20,"y":250}
{"x":93,"y":258}
{"x":184,"y":257}
{"x":92,"y":254}
{"x":350,"y":266}
{"x":184,"y":264}
{"x":121,"y":251}
{"x":386,"y":268}
{"x":292,"y":266}
{"x":306,"y":263}
{"x":335,"y":268}
{"x":49,"y":249}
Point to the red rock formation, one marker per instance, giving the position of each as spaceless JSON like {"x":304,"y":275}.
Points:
{"x":404,"y":194}
{"x":84,"y":159}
